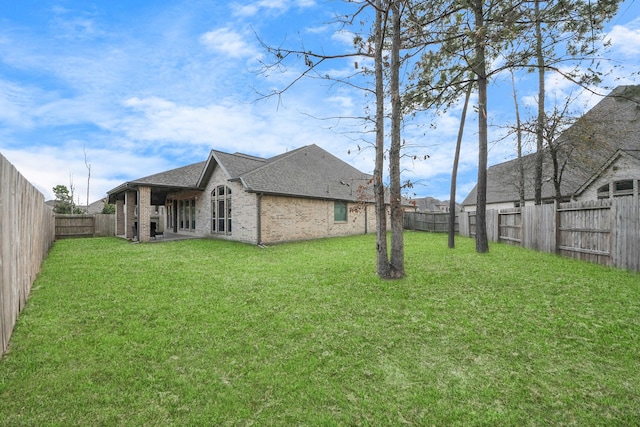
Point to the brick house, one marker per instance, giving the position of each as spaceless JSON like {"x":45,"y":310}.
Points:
{"x":303,"y":194}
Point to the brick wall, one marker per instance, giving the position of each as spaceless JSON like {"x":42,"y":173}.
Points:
{"x":282,"y":218}
{"x":289,"y":218}
{"x":243,"y":210}
{"x":144,"y":214}
{"x":243,"y":213}
{"x":130,"y":213}
{"x":120,"y":223}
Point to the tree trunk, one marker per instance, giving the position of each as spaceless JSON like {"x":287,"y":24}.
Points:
{"x":556,"y":176}
{"x":541,"y":103}
{"x":482,"y":243}
{"x":454,"y":173}
{"x":519,"y":139}
{"x":383,"y":266}
{"x":395,"y":190}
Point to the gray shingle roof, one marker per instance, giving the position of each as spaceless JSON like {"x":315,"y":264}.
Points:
{"x":613,"y":124}
{"x":185,"y":176}
{"x":309,"y":171}
{"x":237,"y":164}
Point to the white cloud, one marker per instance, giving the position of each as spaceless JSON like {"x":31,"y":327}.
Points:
{"x":228,"y":42}
{"x":228,"y":126}
{"x":45,"y":167}
{"x":156,"y":119}
{"x":15,"y":105}
{"x":626,"y":38}
{"x":270,"y":6}
{"x":344,"y":37}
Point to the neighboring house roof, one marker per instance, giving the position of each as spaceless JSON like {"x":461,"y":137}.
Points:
{"x":94,"y":208}
{"x":613,"y":124}
{"x":431,"y":204}
{"x":309,"y":171}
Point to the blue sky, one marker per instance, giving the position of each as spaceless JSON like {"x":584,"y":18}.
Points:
{"x":146,"y":86}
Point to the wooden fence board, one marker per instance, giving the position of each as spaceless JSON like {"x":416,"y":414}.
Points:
{"x":463,"y":224}
{"x":105,"y":225}
{"x":26,"y":234}
{"x":510,"y":226}
{"x":539,"y":227}
{"x":605,"y":231}
{"x":625,"y":245}
{"x":584,"y":231}
{"x":85,"y":225}
{"x":437,"y":222}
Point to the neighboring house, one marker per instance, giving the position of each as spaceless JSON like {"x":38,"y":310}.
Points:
{"x":303,"y":194}
{"x":94,"y":208}
{"x":598,"y":150}
{"x":618,"y":177}
{"x":430,"y":204}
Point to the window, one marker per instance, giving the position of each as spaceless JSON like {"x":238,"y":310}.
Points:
{"x":623,"y":188}
{"x":193,"y":214}
{"x":603,"y":192}
{"x":187,"y":214}
{"x":221,"y":210}
{"x":169,"y":208}
{"x":340,"y":211}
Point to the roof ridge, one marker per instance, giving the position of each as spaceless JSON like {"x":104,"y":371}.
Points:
{"x":248,"y":156}
{"x":170,"y":170}
{"x":277,"y":158}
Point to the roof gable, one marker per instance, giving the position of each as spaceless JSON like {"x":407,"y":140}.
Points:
{"x":309,"y":171}
{"x":632,"y":154}
{"x":233,"y":165}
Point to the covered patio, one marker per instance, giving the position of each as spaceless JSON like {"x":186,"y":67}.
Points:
{"x":140,"y":202}
{"x":140,"y":213}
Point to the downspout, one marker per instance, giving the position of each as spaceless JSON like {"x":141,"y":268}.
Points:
{"x":259,"y":220}
{"x":137,"y":215}
{"x":366,"y":220}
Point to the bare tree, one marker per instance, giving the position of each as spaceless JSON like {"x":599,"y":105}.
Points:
{"x":395,"y":191}
{"x":383,"y":265}
{"x":466,"y":37}
{"x":519,"y":131}
{"x":454,"y":173}
{"x":567,"y":35}
{"x":373,"y":45}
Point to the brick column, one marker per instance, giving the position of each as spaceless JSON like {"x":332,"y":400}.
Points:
{"x":144,"y":214}
{"x":130,"y":213}
{"x":120,"y":222}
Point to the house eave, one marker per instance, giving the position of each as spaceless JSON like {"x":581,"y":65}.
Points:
{"x":112,"y":195}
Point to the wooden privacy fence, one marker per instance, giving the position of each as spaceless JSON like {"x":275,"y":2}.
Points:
{"x":436,"y":222}
{"x":93,"y":225}
{"x":606,"y":231}
{"x":26,"y":234}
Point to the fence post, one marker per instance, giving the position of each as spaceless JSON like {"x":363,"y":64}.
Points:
{"x":556,"y":227}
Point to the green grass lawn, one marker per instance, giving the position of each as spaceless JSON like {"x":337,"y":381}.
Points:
{"x":208,"y":332}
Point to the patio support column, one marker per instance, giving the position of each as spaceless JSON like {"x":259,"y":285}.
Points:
{"x":130,"y":213}
{"x":120,"y":222}
{"x":144,"y":214}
